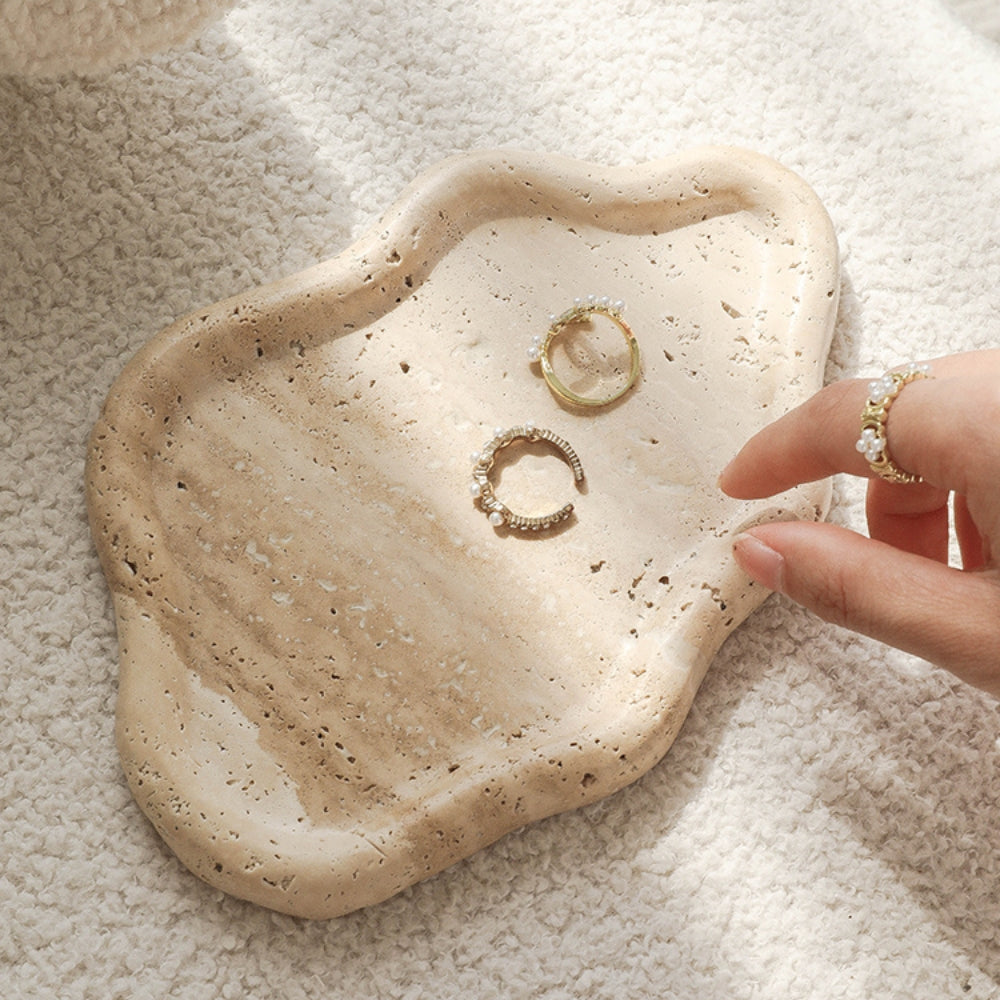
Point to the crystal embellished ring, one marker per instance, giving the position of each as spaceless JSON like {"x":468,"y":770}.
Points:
{"x":500,"y":515}
{"x":582,"y":309}
{"x":874,"y":442}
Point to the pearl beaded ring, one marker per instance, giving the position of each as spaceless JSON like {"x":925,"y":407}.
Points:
{"x":582,"y":309}
{"x":873,"y":442}
{"x":500,"y":515}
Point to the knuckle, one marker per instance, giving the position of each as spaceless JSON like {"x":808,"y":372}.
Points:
{"x":831,"y":600}
{"x":835,"y":414}
{"x":826,"y":594}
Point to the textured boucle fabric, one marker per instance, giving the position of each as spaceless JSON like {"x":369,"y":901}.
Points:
{"x":827,"y":824}
{"x":43,"y":38}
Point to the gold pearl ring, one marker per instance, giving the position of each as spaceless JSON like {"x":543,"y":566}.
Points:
{"x":874,"y":440}
{"x":583,"y":309}
{"x":500,"y":515}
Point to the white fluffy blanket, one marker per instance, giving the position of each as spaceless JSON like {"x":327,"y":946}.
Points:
{"x":828,"y":823}
{"x":42,"y":38}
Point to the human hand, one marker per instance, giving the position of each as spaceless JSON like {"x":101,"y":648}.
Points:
{"x":895,"y":586}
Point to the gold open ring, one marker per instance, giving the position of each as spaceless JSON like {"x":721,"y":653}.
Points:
{"x":500,"y":514}
{"x":874,"y":440}
{"x":581,"y":309}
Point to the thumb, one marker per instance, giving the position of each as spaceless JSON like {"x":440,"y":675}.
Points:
{"x":916,"y":604}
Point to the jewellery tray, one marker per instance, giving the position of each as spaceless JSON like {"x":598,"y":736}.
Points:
{"x":337,"y":679}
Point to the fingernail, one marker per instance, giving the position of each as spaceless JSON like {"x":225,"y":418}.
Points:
{"x":760,"y":561}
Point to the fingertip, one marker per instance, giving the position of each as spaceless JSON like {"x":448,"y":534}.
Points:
{"x":723,"y":479}
{"x":732,"y":482}
{"x":759,"y":561}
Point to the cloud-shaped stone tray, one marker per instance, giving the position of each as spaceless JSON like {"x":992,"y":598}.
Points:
{"x":337,"y":678}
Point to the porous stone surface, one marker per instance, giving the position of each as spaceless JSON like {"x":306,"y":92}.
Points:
{"x":337,"y":678}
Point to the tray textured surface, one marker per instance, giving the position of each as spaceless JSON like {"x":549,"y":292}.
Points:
{"x":336,"y":677}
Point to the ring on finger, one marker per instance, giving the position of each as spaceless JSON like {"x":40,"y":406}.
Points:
{"x":874,"y":440}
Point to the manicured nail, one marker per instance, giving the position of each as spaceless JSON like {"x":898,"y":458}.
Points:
{"x":760,"y":561}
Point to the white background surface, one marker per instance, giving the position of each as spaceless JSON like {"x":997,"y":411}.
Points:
{"x":827,"y":825}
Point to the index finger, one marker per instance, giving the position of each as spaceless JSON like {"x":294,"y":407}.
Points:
{"x":817,"y":439}
{"x":813,"y":441}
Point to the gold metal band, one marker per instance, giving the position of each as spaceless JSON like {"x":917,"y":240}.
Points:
{"x":499,"y":513}
{"x":874,"y":442}
{"x":581,"y":310}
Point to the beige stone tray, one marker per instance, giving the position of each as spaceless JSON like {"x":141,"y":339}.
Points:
{"x":336,"y":677}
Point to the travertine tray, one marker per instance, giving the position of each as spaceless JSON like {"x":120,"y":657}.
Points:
{"x":336,"y":677}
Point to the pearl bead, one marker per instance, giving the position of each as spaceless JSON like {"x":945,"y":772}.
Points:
{"x":534,"y":353}
{"x":475,"y":457}
{"x":870,"y":444}
{"x":496,"y":519}
{"x":880,"y":389}
{"x":475,"y":489}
